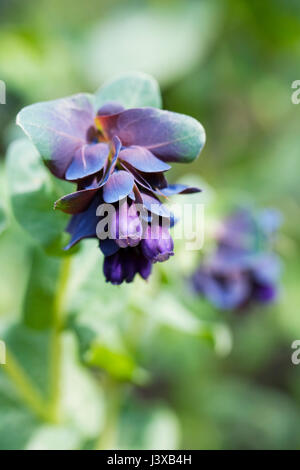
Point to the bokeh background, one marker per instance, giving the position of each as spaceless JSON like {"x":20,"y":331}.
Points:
{"x":149,"y":365}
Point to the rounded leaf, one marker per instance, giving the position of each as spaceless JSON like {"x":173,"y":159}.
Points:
{"x":131,"y":90}
{"x":32,"y":191}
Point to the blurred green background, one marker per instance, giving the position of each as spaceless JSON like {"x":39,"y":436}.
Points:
{"x":148,"y":365}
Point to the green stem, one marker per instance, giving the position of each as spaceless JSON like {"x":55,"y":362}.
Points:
{"x":108,"y":437}
{"x":56,"y":344}
{"x":26,"y":389}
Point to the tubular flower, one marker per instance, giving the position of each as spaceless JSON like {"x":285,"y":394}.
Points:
{"x":129,"y":239}
{"x":115,"y":156}
{"x":243,"y":269}
{"x":126,"y":226}
{"x":158,"y":244}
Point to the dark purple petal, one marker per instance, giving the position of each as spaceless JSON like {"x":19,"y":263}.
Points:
{"x":143,"y":160}
{"x":178,"y":189}
{"x":83,"y":225}
{"x":89,"y":159}
{"x":113,"y":269}
{"x":79,"y":200}
{"x":108,"y":247}
{"x":170,"y":136}
{"x":265,"y":293}
{"x":76,"y":202}
{"x":157,"y":180}
{"x":124,"y":265}
{"x":118,"y":186}
{"x":58,"y":129}
{"x":144,"y":267}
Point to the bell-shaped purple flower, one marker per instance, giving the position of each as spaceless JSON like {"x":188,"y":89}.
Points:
{"x":126,"y":227}
{"x":125,"y":264}
{"x":158,"y":244}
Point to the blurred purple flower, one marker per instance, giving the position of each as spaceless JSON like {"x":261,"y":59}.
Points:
{"x":243,"y":269}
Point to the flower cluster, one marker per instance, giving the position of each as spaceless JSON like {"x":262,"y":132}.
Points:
{"x":116,"y":156}
{"x":243,"y":269}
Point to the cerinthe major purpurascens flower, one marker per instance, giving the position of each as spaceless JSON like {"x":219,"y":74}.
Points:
{"x":116,"y":152}
{"x":243,"y":270}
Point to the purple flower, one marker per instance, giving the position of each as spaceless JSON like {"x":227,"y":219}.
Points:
{"x":158,"y":244}
{"x":126,"y":226}
{"x":243,"y":269}
{"x":125,"y":264}
{"x":133,"y":243}
{"x":115,"y":155}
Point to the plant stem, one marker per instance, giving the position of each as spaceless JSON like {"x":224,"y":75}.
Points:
{"x":27,"y":390}
{"x":56,"y":344}
{"x":30,"y":395}
{"x":108,"y":437}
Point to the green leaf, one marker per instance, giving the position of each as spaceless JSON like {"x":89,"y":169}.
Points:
{"x":167,"y":310}
{"x":24,"y":384}
{"x":149,"y":426}
{"x":17,"y":423}
{"x":101,"y":346}
{"x":30,"y":349}
{"x":82,"y":399}
{"x":256,"y":416}
{"x":97,"y":319}
{"x":26,"y":413}
{"x":33,"y":191}
{"x":51,"y":437}
{"x":132,"y":90}
{"x":119,"y":364}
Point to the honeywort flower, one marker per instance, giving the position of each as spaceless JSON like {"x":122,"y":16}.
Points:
{"x":114,"y":152}
{"x":243,"y":269}
{"x":130,"y":239}
{"x":158,"y":244}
